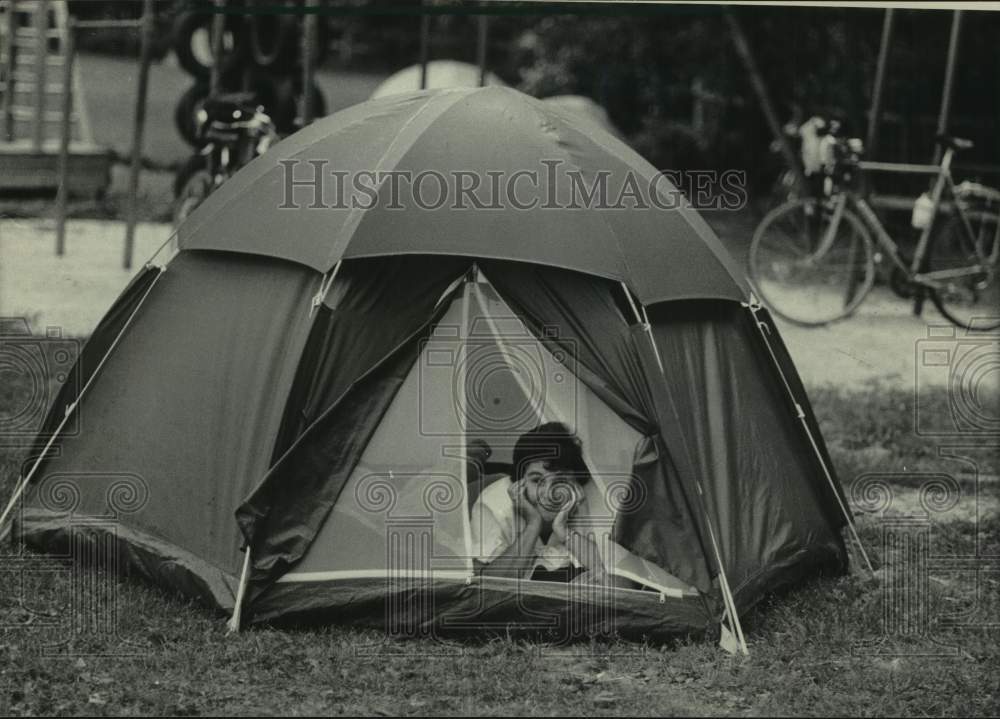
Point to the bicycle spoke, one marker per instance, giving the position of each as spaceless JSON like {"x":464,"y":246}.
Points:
{"x":806,"y":270}
{"x":963,"y":271}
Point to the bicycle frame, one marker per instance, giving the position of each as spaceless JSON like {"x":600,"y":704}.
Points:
{"x":943,"y":180}
{"x":832,"y":242}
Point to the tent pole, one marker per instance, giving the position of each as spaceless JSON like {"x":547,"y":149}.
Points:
{"x":753,"y":305}
{"x":325,"y":283}
{"x":628,"y":296}
{"x":233,"y":625}
{"x":463,"y":338}
{"x":727,"y":594}
{"x":23,"y":482}
{"x":502,"y":345}
{"x":171,"y":238}
{"x":648,"y":327}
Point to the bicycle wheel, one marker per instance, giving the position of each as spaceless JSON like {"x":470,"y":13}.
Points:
{"x":967,"y":296}
{"x":191,"y":186}
{"x":192,"y":43}
{"x":804,"y":274}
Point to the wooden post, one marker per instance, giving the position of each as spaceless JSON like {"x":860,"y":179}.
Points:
{"x":698,"y":107}
{"x":62,"y":193}
{"x":949,"y":79}
{"x":218,"y":31}
{"x":41,"y":65}
{"x":757,"y":81}
{"x":139,"y":126}
{"x":308,"y":57}
{"x":481,"y":48}
{"x":425,"y":42}
{"x":875,"y":113}
{"x":9,"y":64}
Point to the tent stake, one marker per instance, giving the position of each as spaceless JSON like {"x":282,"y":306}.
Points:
{"x":23,"y":482}
{"x":753,"y":305}
{"x":233,"y":625}
{"x":727,"y":594}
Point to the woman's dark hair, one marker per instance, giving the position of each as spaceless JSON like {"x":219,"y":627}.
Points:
{"x":558,"y":448}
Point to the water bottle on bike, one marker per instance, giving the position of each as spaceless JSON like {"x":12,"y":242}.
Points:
{"x":813,"y":259}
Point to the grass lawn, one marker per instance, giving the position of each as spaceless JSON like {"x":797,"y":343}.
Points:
{"x":808,"y":646}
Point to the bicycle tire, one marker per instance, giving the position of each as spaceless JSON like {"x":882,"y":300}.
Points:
{"x":185,"y":112}
{"x":793,"y":281}
{"x":192,"y":186}
{"x":287,"y":104}
{"x":971,"y":302}
{"x":273,"y":38}
{"x":193,"y":164}
{"x":195,"y":59}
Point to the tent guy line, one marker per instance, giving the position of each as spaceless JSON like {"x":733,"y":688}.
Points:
{"x":23,"y":482}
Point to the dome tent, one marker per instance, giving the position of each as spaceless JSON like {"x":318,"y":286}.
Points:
{"x":294,"y":394}
{"x":586,"y":109}
{"x":440,"y":74}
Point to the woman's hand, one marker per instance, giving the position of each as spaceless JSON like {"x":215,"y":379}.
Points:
{"x":560,"y":529}
{"x":517,"y":559}
{"x":523,"y":506}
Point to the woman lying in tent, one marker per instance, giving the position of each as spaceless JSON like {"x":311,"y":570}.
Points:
{"x":521,"y":526}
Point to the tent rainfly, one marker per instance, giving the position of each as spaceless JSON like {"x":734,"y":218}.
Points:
{"x":278,"y":419}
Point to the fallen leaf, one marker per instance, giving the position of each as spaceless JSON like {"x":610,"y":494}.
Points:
{"x":605,"y":699}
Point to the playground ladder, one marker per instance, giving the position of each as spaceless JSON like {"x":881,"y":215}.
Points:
{"x":33,"y":39}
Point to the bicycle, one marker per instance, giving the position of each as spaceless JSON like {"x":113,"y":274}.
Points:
{"x":232,"y":130}
{"x":813,"y":259}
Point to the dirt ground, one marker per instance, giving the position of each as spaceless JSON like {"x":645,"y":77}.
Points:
{"x":71,"y":292}
{"x":884,"y":342}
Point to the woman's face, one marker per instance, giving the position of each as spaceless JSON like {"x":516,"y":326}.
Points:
{"x":548,"y":490}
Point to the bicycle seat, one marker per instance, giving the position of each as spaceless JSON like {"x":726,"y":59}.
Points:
{"x":230,"y":107}
{"x":955,"y":143}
